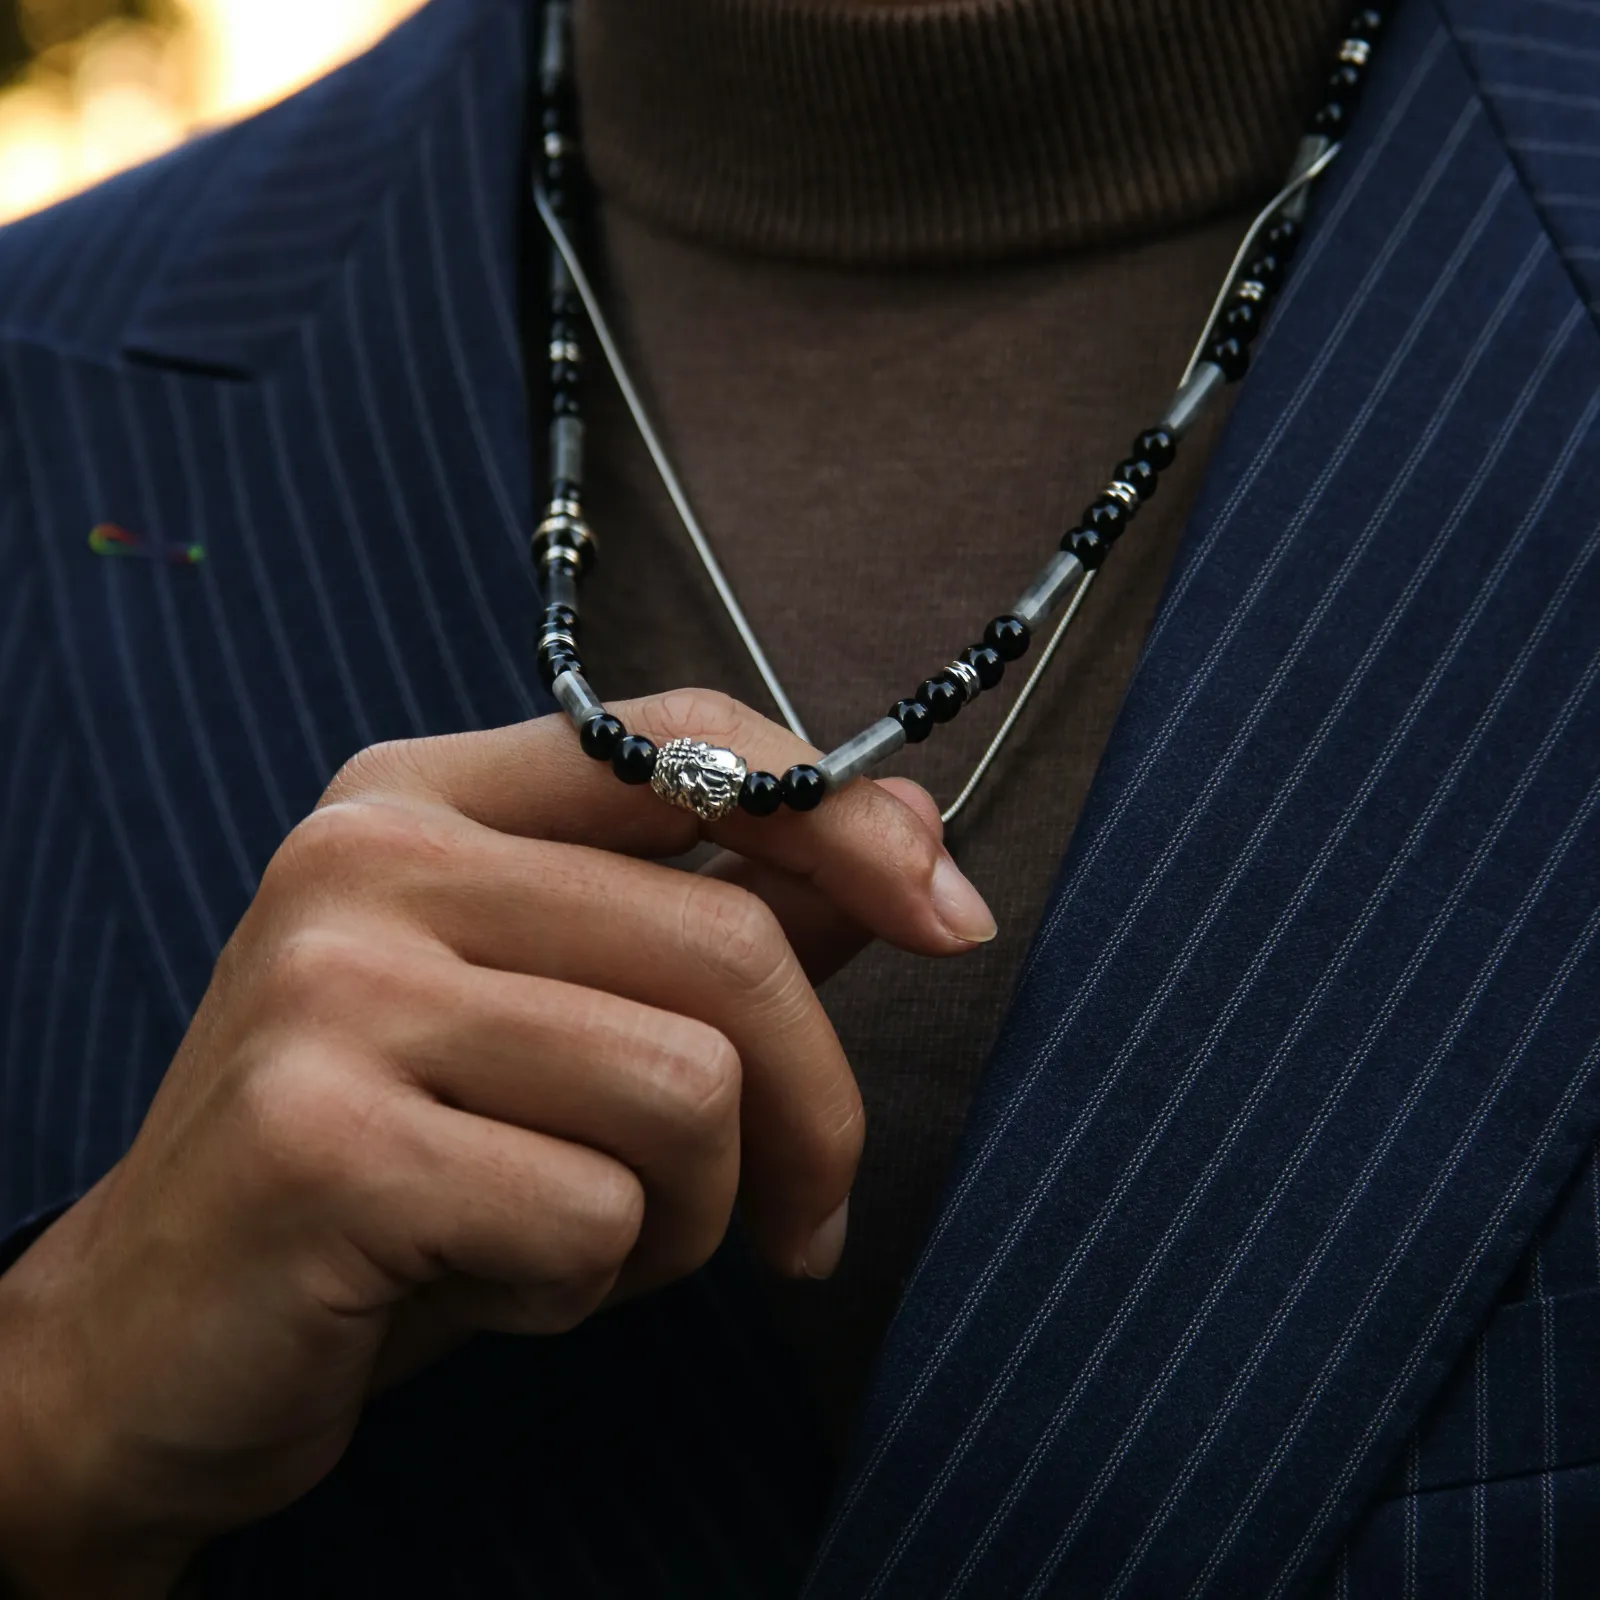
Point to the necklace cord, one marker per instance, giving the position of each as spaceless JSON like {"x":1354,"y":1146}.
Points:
{"x":980,"y":772}
{"x":1301,"y":180}
{"x":702,"y":545}
{"x":663,"y":463}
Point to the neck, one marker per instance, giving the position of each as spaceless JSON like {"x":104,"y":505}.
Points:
{"x":900,"y":131}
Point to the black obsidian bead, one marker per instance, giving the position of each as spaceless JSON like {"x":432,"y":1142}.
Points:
{"x":1233,"y":356}
{"x":634,"y":760}
{"x":761,"y":794}
{"x":566,"y":489}
{"x":1344,"y":82}
{"x":986,"y":663}
{"x":553,"y":119}
{"x":566,"y":305}
{"x":1141,"y":476}
{"x":914,"y":717}
{"x":1330,"y":119}
{"x":1283,"y":238}
{"x":943,"y":699}
{"x":1088,"y":546}
{"x":562,"y":618}
{"x":600,"y":736}
{"x":563,"y":375}
{"x":1108,"y":518}
{"x":1267,"y":270}
{"x":1008,"y":637}
{"x":565,"y":402}
{"x":1158,"y":447}
{"x":1242,"y":320}
{"x":1365,"y":24}
{"x":803,"y":788}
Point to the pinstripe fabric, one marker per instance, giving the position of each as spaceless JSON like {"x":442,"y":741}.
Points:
{"x":1539,"y":67}
{"x":1302,"y":1064}
{"x":1308,"y":1041}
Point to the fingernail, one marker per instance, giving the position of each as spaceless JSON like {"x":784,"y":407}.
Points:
{"x":827,"y":1244}
{"x":961,"y":908}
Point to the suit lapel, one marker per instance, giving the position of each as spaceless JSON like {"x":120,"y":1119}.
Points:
{"x":344,"y":432}
{"x":1309,"y":1037}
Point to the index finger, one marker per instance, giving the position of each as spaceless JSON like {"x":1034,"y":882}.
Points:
{"x":865,"y":849}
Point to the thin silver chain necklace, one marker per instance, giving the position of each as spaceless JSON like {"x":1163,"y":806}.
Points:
{"x":712,"y":782}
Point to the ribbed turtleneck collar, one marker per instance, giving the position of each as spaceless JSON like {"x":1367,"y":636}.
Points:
{"x":945,"y":130}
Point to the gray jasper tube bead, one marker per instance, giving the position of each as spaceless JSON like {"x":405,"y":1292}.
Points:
{"x":1047,"y":591}
{"x":1190,"y":400}
{"x":566,"y":449}
{"x":576,"y":698}
{"x":861,"y":753}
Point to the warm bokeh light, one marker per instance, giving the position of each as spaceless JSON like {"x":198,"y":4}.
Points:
{"x":126,"y":90}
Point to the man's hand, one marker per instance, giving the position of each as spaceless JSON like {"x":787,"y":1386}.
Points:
{"x":472,"y":1060}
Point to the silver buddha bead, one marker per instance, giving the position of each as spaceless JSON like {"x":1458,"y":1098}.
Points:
{"x":699,"y":777}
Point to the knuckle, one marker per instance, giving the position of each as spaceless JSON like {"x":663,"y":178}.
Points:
{"x":734,"y":934}
{"x":303,"y":1118}
{"x":697,"y":714}
{"x":353,"y":838}
{"x":317,"y":970}
{"x":699,"y":1073}
{"x":376,"y":770}
{"x":612,"y":1214}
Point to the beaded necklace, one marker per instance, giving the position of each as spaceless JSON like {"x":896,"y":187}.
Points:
{"x":711,"y":781}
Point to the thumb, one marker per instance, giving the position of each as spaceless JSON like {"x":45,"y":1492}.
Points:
{"x":821,"y":935}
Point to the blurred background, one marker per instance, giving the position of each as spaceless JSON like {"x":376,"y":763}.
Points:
{"x":88,"y":87}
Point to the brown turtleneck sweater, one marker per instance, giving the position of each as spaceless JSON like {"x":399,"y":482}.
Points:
{"x":900,"y":282}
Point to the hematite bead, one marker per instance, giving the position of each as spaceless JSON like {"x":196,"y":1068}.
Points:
{"x":943,"y":699}
{"x":1242,"y":320}
{"x":1088,"y":546}
{"x":561,"y":619}
{"x":600,"y":737}
{"x":986,"y":662}
{"x":634,"y":760}
{"x":1008,"y":637}
{"x":1365,"y":24}
{"x":803,"y":788}
{"x":566,"y":489}
{"x":1141,"y":475}
{"x":565,"y":403}
{"x":914,"y":717}
{"x":1158,"y":447}
{"x":760,"y":794}
{"x":1108,"y":518}
{"x":1233,"y":356}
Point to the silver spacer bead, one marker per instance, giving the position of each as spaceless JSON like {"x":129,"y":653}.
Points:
{"x":1357,"y":52}
{"x":565,"y":350}
{"x":699,"y":777}
{"x":562,"y":558}
{"x":1252,"y":289}
{"x":559,"y":636}
{"x":967,"y":678}
{"x":565,"y":508}
{"x":1118,"y":489}
{"x":557,"y":145}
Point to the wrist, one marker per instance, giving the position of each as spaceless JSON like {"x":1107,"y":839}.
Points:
{"x":61,"y":1534}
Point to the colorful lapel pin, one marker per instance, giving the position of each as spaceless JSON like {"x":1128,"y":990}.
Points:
{"x":110,"y":540}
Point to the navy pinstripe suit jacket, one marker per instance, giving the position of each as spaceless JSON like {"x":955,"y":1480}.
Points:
{"x":1272,"y":1259}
